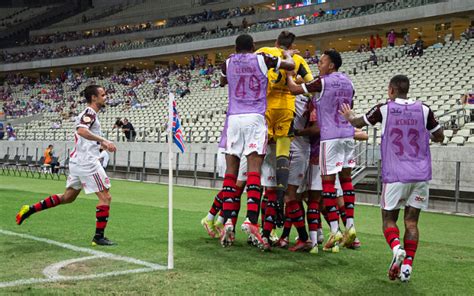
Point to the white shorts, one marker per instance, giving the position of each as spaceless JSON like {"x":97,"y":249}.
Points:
{"x":96,"y":182}
{"x":268,"y":175}
{"x":299,"y":162}
{"x":399,"y":195}
{"x":221,"y":166}
{"x":335,"y":155}
{"x":314,"y":182}
{"x":246,"y":134}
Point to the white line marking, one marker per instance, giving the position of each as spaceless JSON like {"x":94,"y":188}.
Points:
{"x":52,"y":271}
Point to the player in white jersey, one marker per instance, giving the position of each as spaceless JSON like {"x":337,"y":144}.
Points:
{"x":85,"y":169}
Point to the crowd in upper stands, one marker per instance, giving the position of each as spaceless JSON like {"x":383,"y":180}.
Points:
{"x":206,"y":15}
{"x":51,"y":53}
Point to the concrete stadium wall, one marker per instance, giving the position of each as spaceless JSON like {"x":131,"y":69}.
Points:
{"x":350,"y":24}
{"x":444,"y":158}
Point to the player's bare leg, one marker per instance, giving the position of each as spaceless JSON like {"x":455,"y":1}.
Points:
{"x":410,"y":241}
{"x":330,"y":203}
{"x":102,"y":217}
{"x":392,"y":236}
{"x":229,"y":194}
{"x":54,"y":200}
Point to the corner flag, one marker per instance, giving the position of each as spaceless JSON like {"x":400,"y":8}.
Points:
{"x":177,"y":131}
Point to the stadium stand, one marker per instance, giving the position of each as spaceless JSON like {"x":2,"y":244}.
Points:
{"x":203,"y":109}
{"x":96,"y":45}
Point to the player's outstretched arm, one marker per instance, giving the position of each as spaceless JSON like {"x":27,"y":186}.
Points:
{"x":295,"y":89}
{"x":288,"y":63}
{"x":360,"y":135}
{"x":350,"y":116}
{"x":88,"y":135}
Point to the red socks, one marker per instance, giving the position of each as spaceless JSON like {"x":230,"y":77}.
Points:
{"x":330,"y":202}
{"x":228,"y":196}
{"x":296,"y":213}
{"x":253,"y":196}
{"x":349,"y":199}
{"x":410,"y":248}
{"x":217,"y":204}
{"x":313,"y":215}
{"x":270,"y":212}
{"x":102,"y":217}
{"x":49,"y":202}
{"x":392,"y":235}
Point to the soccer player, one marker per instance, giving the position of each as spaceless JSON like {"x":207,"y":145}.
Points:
{"x":214,"y":228}
{"x":281,"y":107}
{"x":407,"y":126}
{"x":246,"y":75}
{"x":299,"y":157}
{"x":337,"y":144}
{"x":85,"y":169}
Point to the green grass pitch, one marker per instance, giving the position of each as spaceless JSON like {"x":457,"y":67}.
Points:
{"x":138,"y":223}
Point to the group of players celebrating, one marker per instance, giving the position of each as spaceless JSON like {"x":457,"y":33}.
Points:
{"x":289,"y":138}
{"x":294,"y":135}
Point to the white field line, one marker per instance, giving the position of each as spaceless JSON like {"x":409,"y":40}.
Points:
{"x":52,"y":271}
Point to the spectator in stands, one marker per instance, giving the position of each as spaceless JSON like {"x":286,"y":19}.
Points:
{"x":11,"y":136}
{"x":56,"y":124}
{"x":2,"y":131}
{"x":417,"y":50}
{"x":373,"y":58}
{"x":362,"y":48}
{"x":229,"y":25}
{"x":128,"y":130}
{"x":104,"y":158}
{"x":321,"y":12}
{"x":406,"y":39}
{"x":372,"y":42}
{"x":307,"y":54}
{"x":118,"y":123}
{"x":378,"y":41}
{"x":419,"y":42}
{"x":391,"y":38}
{"x":468,"y":33}
{"x":448,"y":37}
{"x":245,"y":24}
{"x":469,"y":99}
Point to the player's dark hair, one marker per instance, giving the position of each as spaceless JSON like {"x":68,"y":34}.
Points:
{"x":91,"y":90}
{"x":401,"y":84}
{"x":244,"y":43}
{"x":286,"y":39}
{"x":335,"y":58}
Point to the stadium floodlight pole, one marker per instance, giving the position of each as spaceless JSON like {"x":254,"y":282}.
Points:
{"x":170,"y":182}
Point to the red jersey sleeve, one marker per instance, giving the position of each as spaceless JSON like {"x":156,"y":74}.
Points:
{"x":374,"y":115}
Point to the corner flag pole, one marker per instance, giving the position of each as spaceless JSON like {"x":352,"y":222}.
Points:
{"x":170,"y":183}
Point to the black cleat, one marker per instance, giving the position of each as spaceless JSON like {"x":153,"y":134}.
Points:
{"x":103,"y":241}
